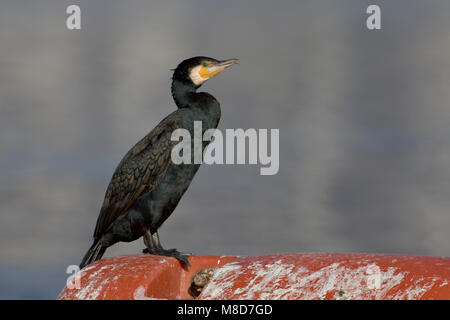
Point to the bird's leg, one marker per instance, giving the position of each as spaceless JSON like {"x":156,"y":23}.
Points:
{"x":148,"y":241}
{"x":151,"y":241}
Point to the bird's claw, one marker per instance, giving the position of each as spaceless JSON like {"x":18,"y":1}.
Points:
{"x":181,"y":256}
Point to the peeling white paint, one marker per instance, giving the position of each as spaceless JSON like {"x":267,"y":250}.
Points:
{"x":226,"y":276}
{"x":92,"y":290}
{"x":96,"y":282}
{"x":279,"y":280}
{"x":265,"y":276}
{"x":421,"y":286}
{"x":139,"y":294}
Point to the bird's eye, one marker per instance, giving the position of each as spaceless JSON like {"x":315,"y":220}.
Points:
{"x":204,"y":64}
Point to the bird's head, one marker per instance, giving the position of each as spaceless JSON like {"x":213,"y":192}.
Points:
{"x":199,"y":69}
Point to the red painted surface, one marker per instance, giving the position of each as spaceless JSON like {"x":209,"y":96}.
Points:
{"x":332,"y":276}
{"x":139,"y":277}
{"x":284,"y":276}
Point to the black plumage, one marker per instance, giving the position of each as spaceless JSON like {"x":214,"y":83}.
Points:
{"x":146,"y":185}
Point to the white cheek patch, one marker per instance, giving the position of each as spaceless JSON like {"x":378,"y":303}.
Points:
{"x":195,"y":76}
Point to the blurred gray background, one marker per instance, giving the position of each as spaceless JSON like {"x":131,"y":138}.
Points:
{"x":364,"y":121}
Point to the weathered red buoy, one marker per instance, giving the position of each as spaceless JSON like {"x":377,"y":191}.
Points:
{"x":283,"y":276}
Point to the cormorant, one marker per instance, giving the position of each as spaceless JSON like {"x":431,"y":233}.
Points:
{"x":146,"y":185}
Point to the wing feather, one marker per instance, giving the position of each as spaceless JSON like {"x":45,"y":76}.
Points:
{"x":139,"y":172}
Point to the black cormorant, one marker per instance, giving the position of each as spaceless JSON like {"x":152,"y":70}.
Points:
{"x":146,"y":185}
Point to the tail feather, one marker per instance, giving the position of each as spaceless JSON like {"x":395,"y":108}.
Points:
{"x":94,"y":253}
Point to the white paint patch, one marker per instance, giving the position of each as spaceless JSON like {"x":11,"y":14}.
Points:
{"x":96,"y":282}
{"x":265,"y":276}
{"x":280,"y":280}
{"x":226,"y":276}
{"x":419,"y":288}
{"x":139,"y":294}
{"x":92,"y":290}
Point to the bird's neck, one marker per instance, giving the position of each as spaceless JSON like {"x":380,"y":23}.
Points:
{"x":182,"y":93}
{"x":186,"y":96}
